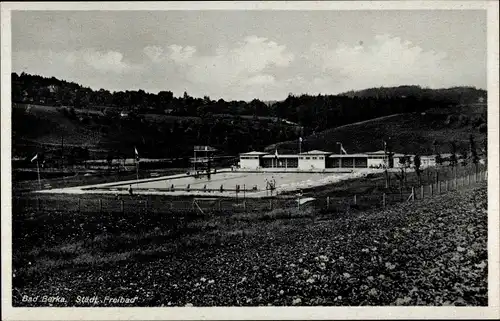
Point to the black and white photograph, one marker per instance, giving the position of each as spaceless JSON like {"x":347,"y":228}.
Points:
{"x":190,"y":156}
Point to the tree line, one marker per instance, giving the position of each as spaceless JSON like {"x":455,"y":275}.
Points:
{"x":314,"y":112}
{"x":230,"y":126}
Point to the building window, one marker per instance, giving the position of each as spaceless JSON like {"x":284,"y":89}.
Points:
{"x":314,"y":157}
{"x":307,"y":157}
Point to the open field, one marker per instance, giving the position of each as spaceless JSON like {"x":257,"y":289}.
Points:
{"x":79,"y":179}
{"x":428,"y":252}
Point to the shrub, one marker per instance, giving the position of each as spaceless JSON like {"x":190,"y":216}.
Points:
{"x":72,"y":113}
{"x":478,"y":121}
{"x":463,"y":120}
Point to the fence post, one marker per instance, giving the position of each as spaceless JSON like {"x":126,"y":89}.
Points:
{"x":412,"y":193}
{"x":171,"y":205}
{"x":355,"y":200}
{"x":122,"y":208}
{"x":422,"y":192}
{"x":271,"y":204}
{"x":219,"y":205}
{"x":146,"y":204}
{"x":383,"y":200}
{"x":79,"y":205}
{"x":431,"y":189}
{"x":328,"y":202}
{"x":38,"y":203}
{"x":245,"y":205}
{"x":468,"y":179}
{"x":100,"y":206}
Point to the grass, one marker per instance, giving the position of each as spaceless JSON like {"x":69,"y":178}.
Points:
{"x":79,"y":179}
{"x":252,"y":257}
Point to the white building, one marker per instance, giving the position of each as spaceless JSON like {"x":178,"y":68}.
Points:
{"x":251,"y":160}
{"x":281,"y":161}
{"x":319,"y":160}
{"x":427,"y":161}
{"x":314,"y":159}
{"x":377,"y":159}
{"x":347,"y":161}
{"x":397,"y":158}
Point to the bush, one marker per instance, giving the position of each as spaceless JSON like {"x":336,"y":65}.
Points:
{"x":463,"y":120}
{"x":450,"y":119}
{"x":478,"y":121}
{"x":85,"y":120}
{"x":72,"y":113}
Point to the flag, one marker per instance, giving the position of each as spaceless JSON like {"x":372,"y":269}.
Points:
{"x":136,"y":155}
{"x":34,"y":158}
{"x":343,"y":150}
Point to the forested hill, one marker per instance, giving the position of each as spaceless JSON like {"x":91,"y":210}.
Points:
{"x":315,"y":112}
{"x":457,"y":95}
{"x":163,"y":125}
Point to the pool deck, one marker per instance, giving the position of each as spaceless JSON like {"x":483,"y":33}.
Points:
{"x":121,"y":187}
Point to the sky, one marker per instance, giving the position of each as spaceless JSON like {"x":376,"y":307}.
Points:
{"x":241,"y":55}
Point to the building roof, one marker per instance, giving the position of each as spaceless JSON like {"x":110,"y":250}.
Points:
{"x":281,"y":156}
{"x":204,"y":149}
{"x":254,"y":153}
{"x":379,"y":152}
{"x":316,"y":152}
{"x":347,"y":155}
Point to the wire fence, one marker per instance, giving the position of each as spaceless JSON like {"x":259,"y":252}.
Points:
{"x":153,"y":204}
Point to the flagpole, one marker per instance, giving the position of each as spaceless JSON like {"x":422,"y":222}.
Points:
{"x":38,"y":171}
{"x":137,"y":171}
